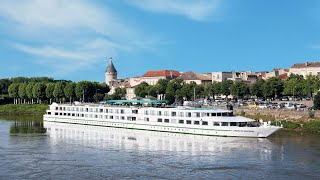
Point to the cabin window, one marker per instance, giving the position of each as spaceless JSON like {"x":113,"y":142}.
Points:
{"x":106,"y":117}
{"x":55,"y":113}
{"x":64,"y":114}
{"x":208,"y":114}
{"x":152,"y":112}
{"x":100,"y":116}
{"x":181,"y":114}
{"x":233,"y":124}
{"x":90,"y":115}
{"x":56,"y":108}
{"x":225,"y":124}
{"x":60,"y":114}
{"x":134,"y":118}
{"x":230,"y":114}
{"x":122,"y":111}
{"x":166,"y":120}
{"x":117,"y":117}
{"x":196,"y":122}
{"x":81,"y":109}
{"x":122,"y":117}
{"x":188,"y":114}
{"x":49,"y":113}
{"x":117,"y":111}
{"x":96,"y":116}
{"x":87,"y":109}
{"x":146,"y":112}
{"x":218,"y":114}
{"x":110,"y":111}
{"x":213,"y":114}
{"x":101,"y":110}
{"x":188,"y":122}
{"x":135,"y":111}
{"x":197,"y":114}
{"x":204,"y":122}
{"x":111,"y":117}
{"x":159,"y":113}
{"x":86,"y":115}
{"x":72,"y":114}
{"x":146,"y":119}
{"x":181,"y":121}
{"x":82,"y":115}
{"x":216,"y":124}
{"x":77,"y":109}
{"x":224,"y":114}
{"x":159,"y":120}
{"x":173,"y":113}
{"x":68,"y":109}
{"x":173,"y":121}
{"x":129,"y":118}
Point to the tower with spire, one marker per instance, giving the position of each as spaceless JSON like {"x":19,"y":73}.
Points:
{"x":111,"y":72}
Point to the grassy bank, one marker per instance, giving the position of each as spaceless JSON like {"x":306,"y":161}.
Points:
{"x":23,"y":109}
{"x":308,"y":124}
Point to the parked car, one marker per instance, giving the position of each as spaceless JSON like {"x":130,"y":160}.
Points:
{"x":301,"y":105}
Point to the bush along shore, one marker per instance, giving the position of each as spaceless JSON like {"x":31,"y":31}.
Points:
{"x":23,"y":109}
{"x":307,"y":123}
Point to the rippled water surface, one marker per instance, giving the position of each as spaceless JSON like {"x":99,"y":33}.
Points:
{"x":31,"y":149}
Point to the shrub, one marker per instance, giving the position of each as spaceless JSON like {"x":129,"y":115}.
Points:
{"x":316,"y":101}
{"x":311,"y":114}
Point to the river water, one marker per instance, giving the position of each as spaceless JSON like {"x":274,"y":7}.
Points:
{"x":31,"y":149}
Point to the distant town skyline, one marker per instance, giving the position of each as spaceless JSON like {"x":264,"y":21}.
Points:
{"x":74,"y":40}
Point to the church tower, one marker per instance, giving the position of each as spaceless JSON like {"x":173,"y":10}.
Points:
{"x":111,"y":72}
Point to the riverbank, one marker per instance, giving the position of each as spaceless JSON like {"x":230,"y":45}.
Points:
{"x":23,"y":109}
{"x":290,"y":119}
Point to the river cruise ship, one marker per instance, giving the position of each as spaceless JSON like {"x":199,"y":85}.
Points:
{"x":188,"y":120}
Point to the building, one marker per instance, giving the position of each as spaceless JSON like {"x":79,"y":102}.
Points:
{"x":110,"y":73}
{"x":220,"y":76}
{"x":190,"y":76}
{"x":307,"y":68}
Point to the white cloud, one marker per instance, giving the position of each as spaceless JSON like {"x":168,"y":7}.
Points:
{"x":76,"y":33}
{"x":199,"y":10}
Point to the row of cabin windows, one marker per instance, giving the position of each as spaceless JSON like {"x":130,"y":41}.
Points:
{"x":180,"y":121}
{"x":100,"y":110}
{"x":187,"y":114}
{"x":96,"y":116}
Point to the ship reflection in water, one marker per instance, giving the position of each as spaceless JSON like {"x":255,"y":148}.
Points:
{"x":139,"y":140}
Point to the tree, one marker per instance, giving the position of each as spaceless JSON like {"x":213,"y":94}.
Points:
{"x":84,"y":90}
{"x":210,"y":89}
{"x":39,"y":91}
{"x":119,"y":93}
{"x":256,"y":89}
{"x":316,"y":101}
{"x":22,"y":92}
{"x":173,"y":91}
{"x":69,"y":91}
{"x":142,"y":89}
{"x":13,"y":91}
{"x":29,"y":91}
{"x":311,"y":85}
{"x":225,"y":87}
{"x":49,"y":91}
{"x":273,"y":87}
{"x":58,"y":90}
{"x":4,"y":85}
{"x":239,"y":89}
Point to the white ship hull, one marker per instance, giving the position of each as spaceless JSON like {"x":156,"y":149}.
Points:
{"x":232,"y":131}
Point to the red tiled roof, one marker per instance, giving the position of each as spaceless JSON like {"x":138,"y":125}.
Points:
{"x":283,"y":76}
{"x":166,"y":73}
{"x":306,"y":64}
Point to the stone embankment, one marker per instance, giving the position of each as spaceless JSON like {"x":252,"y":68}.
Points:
{"x":280,"y":114}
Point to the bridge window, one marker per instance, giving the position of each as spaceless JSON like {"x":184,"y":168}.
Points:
{"x":173,"y":113}
{"x":213,"y":114}
{"x":233,"y":124}
{"x":225,"y":124}
{"x":188,"y":121}
{"x":196,"y":122}
{"x":166,"y":120}
{"x":146,"y":119}
{"x":204,"y":122}
{"x":224,"y":114}
{"x":216,"y":124}
{"x":159,"y":120}
{"x":181,"y":121}
{"x":218,"y":114}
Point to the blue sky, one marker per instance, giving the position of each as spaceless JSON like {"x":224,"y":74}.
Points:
{"x":73,"y":39}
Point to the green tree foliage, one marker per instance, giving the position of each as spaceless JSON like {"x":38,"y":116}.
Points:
{"x":4,"y":85}
{"x":294,"y":85}
{"x":225,"y":87}
{"x":162,"y":86}
{"x":256,"y":89}
{"x":39,"y":91}
{"x":142,"y":89}
{"x":316,"y":101}
{"x":311,"y":85}
{"x":69,"y":91}
{"x":58,"y":92}
{"x":239,"y":89}
{"x":119,"y":93}
{"x":29,"y":91}
{"x":273,"y":87}
{"x":22,"y":91}
{"x":49,"y":91}
{"x":212,"y":89}
{"x":14,"y":91}
{"x":85,"y":90}
{"x":173,"y":91}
